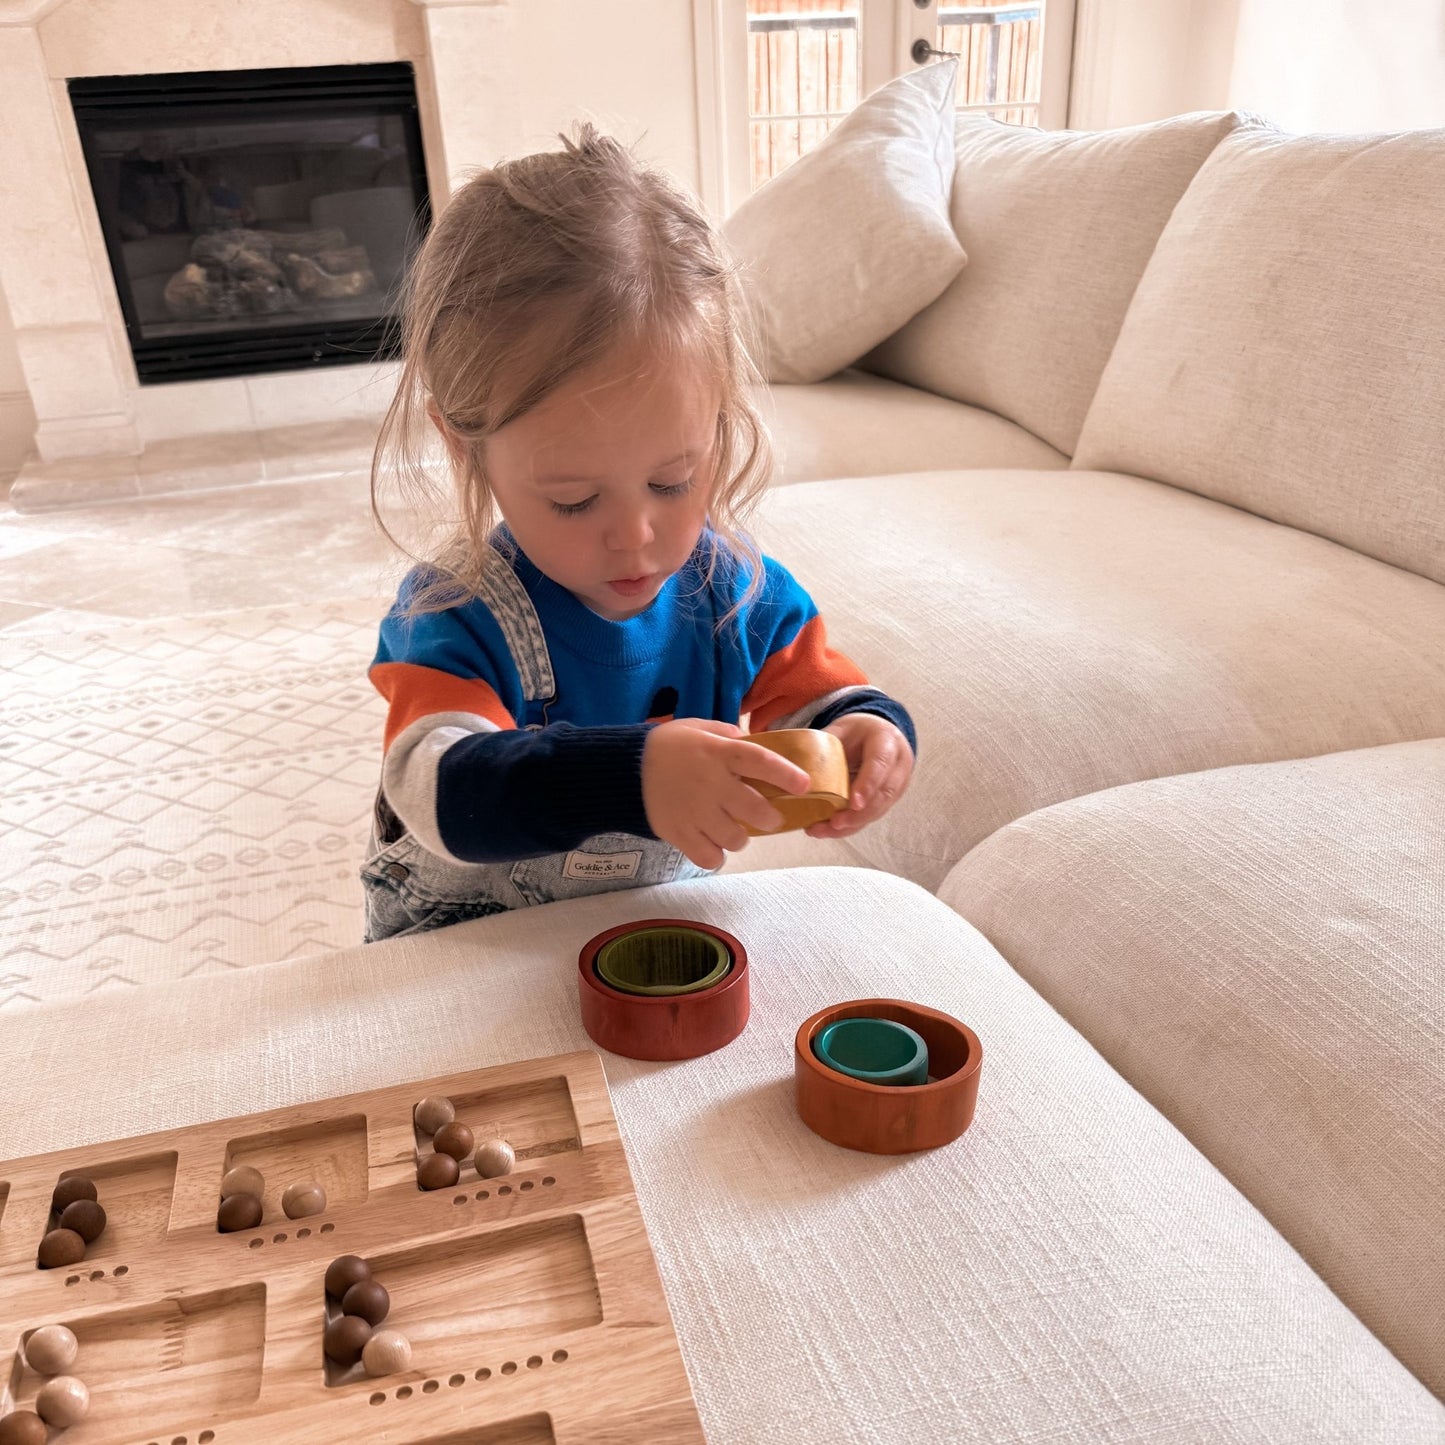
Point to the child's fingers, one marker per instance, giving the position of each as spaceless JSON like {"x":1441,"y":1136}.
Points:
{"x":880,"y":758}
{"x":748,"y":806}
{"x":762,"y":765}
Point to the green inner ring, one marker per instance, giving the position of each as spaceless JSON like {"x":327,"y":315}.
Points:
{"x":659,"y":961}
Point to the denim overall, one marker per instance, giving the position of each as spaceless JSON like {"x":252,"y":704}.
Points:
{"x":410,"y":890}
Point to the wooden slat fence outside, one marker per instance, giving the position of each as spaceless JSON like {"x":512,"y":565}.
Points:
{"x":803,"y":63}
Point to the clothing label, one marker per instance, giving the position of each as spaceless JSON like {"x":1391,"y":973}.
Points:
{"x":602,"y":865}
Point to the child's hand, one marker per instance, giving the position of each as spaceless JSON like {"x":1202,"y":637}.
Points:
{"x":694,"y":788}
{"x":880,"y":763}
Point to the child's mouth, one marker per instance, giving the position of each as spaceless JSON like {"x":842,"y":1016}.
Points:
{"x":631,"y":586}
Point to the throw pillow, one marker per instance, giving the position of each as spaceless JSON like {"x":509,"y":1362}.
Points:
{"x":840,"y":249}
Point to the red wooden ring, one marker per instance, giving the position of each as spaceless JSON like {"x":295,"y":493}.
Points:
{"x":883,"y":1119}
{"x":681,"y":1026}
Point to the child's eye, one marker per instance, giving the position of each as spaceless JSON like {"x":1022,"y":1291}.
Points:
{"x":675,"y":490}
{"x":571,"y":509}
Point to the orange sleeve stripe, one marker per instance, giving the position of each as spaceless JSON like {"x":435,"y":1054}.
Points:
{"x":806,"y":669}
{"x":416,"y":692}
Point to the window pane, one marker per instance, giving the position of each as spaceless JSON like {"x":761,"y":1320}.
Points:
{"x":802,"y":76}
{"x":1000,"y":46}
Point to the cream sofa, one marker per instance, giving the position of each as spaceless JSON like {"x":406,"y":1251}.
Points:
{"x":1158,"y":568}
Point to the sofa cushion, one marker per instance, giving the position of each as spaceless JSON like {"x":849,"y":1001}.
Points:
{"x":1071,"y":1269}
{"x":1058,"y":226}
{"x":1054,"y":633}
{"x":1258,"y":951}
{"x":857,"y":425}
{"x":840,"y":249}
{"x":1284,"y":352}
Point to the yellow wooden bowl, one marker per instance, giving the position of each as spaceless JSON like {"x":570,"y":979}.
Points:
{"x":821,"y":756}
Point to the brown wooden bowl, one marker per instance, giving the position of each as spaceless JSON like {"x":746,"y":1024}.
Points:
{"x":668,"y":1026}
{"x":882,"y":1118}
{"x":820,"y":754}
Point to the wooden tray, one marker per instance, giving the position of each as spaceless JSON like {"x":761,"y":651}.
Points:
{"x":532,"y":1302}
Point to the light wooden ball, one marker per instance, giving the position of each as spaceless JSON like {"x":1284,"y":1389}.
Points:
{"x":302,"y":1199}
{"x":63,"y":1401}
{"x":51,"y":1350}
{"x":432,"y":1113}
{"x":243,"y":1179}
{"x":386,"y":1352}
{"x":495,"y":1158}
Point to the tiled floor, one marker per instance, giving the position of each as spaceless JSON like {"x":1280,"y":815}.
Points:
{"x":277,"y":542}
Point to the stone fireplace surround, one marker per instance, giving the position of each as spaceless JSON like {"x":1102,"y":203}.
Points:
{"x":100,"y":436}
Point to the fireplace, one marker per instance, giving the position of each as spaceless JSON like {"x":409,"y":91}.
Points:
{"x":256,"y":220}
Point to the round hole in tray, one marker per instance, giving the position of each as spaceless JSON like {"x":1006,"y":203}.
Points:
{"x":483,"y":1374}
{"x":548,"y":1180}
{"x":303,"y":1234}
{"x":483,"y":1194}
{"x":525,"y":1185}
{"x":278,"y":1239}
{"x":505,"y":1189}
{"x":378,"y":1398}
{"x":327,"y":1228}
{"x":535,"y":1362}
{"x":510,"y":1368}
{"x":404,"y":1393}
{"x":558,"y":1356}
{"x":663,"y":961}
{"x":431,"y":1387}
{"x":457,"y":1380}
{"x":257,"y":1242}
{"x":206,"y":1436}
{"x":121,"y":1269}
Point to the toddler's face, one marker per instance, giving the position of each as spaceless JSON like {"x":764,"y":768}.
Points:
{"x":606,"y":484}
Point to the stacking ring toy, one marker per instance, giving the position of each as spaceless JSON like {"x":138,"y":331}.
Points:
{"x":883,"y":1118}
{"x":878,"y":1051}
{"x":663,"y":988}
{"x":821,"y":756}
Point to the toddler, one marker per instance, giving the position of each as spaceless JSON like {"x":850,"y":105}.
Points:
{"x":566,"y":675}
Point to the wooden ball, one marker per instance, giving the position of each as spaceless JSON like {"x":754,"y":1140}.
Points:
{"x":59,"y":1248}
{"x":368,"y":1299}
{"x":23,"y":1427}
{"x":243,"y":1179}
{"x":432,"y":1113}
{"x":85,"y":1217}
{"x":69,"y":1190}
{"x":438,"y":1171}
{"x":343,"y":1272}
{"x":454,"y":1139}
{"x":63,"y":1401}
{"x":495,"y":1158}
{"x":304,"y":1198}
{"x":240,"y":1211}
{"x":51,"y":1350}
{"x":386,"y":1352}
{"x":344,"y":1339}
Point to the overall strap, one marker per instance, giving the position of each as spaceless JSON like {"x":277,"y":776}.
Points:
{"x":501,"y":589}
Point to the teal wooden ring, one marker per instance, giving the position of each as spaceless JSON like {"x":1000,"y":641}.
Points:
{"x":663,"y":962}
{"x":878,"y":1051}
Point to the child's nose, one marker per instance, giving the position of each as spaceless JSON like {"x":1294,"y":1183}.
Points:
{"x":629,"y":530}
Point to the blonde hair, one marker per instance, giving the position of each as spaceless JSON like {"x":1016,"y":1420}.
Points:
{"x":535,"y":270}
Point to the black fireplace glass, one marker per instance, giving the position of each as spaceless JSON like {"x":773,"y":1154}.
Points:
{"x":256,"y":220}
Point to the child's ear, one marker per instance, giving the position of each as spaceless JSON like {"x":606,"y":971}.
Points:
{"x":453,"y":442}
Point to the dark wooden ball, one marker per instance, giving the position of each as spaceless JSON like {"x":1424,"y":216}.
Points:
{"x":85,"y":1217}
{"x":344,"y":1271}
{"x":23,"y":1427}
{"x":438,"y":1171}
{"x":69,"y":1190}
{"x":454,"y":1139}
{"x":59,"y":1248}
{"x":240,"y":1211}
{"x":368,"y":1299}
{"x":345,"y":1338}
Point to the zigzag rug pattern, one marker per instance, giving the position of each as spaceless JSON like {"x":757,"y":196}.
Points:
{"x":183,"y":796}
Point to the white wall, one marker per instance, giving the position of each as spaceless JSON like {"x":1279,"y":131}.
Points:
{"x":1342,"y":65}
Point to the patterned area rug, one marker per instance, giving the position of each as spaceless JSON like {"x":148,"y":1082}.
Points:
{"x":183,"y":796}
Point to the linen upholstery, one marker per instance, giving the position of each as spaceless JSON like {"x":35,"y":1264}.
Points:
{"x":1071,"y":1269}
{"x":1054,"y":633}
{"x":1283,"y":350}
{"x":1058,"y":226}
{"x":1262,"y":961}
{"x":845,"y":245}
{"x":857,"y":425}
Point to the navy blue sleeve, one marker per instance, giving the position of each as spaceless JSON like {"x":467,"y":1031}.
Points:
{"x":514,"y":794}
{"x":878,"y":703}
